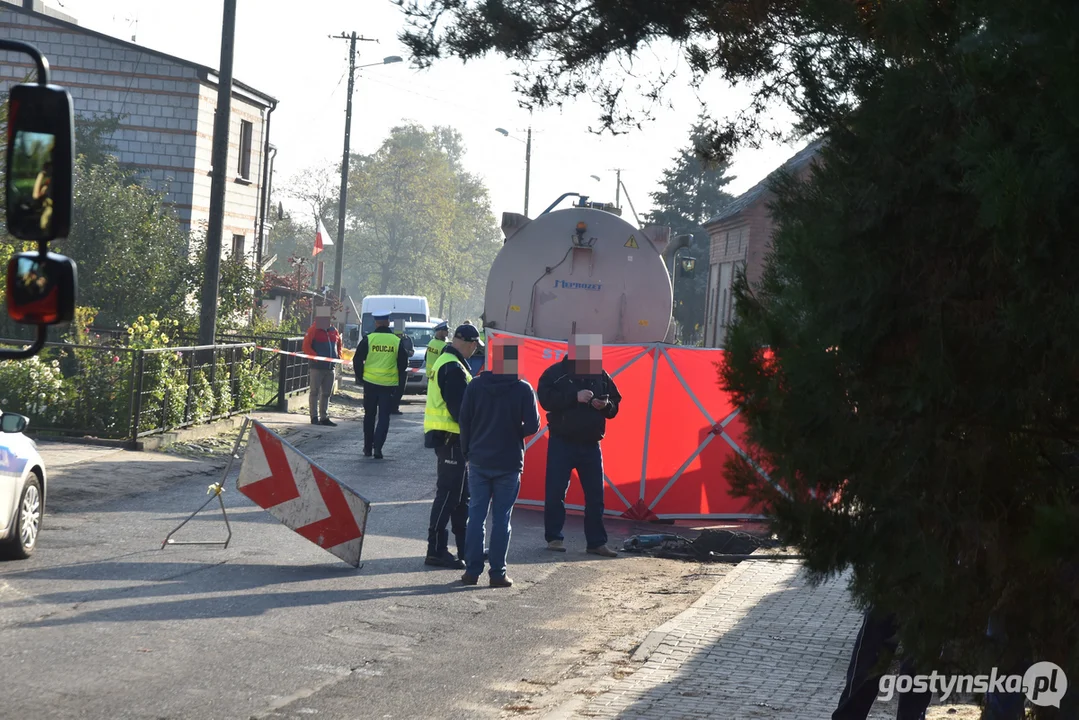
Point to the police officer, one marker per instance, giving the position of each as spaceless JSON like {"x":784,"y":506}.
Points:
{"x":434,"y":348}
{"x":445,"y":390}
{"x":380,"y":364}
{"x":410,"y":348}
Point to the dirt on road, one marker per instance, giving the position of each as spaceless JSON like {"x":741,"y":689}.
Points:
{"x":636,"y":595}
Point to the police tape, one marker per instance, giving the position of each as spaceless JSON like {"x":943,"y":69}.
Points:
{"x":279,"y":351}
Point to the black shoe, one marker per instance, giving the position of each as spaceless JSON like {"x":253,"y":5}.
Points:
{"x":396,"y":412}
{"x":378,"y":454}
{"x":467,"y":579}
{"x":327,"y":422}
{"x":367,"y":453}
{"x":314,"y":421}
{"x":501,"y":581}
{"x":445,"y":561}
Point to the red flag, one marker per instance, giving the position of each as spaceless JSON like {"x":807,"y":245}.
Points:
{"x":322,"y":238}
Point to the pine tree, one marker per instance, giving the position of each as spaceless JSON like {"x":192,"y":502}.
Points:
{"x":907,"y":365}
{"x":919,"y":400}
{"x":692,"y":193}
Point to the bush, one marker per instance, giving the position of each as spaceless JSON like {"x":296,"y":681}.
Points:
{"x":34,"y":388}
{"x":89,"y":388}
{"x":97,"y":381}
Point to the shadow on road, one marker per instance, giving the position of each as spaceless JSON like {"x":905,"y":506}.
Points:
{"x":239,"y":590}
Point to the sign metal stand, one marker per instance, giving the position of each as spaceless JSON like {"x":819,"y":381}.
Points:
{"x":215,"y":491}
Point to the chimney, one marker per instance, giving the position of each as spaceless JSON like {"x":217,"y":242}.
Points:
{"x":27,"y":4}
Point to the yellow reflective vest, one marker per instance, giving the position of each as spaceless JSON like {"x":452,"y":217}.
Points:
{"x":380,"y":367}
{"x":436,"y":416}
{"x":434,"y":349}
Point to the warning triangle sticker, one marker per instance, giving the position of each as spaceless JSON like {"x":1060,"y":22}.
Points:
{"x":631,"y":243}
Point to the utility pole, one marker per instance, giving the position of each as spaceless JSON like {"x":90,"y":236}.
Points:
{"x":528,"y":166}
{"x":618,"y":188}
{"x":339,"y":254}
{"x":220,"y":159}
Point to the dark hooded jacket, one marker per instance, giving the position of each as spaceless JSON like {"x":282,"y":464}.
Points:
{"x":497,"y":414}
{"x":573,"y":421}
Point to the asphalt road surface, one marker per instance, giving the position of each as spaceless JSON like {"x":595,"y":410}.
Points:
{"x":100,"y":623}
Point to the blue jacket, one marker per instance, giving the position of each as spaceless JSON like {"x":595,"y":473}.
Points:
{"x":497,"y":414}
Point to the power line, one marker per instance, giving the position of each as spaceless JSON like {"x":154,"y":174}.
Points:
{"x":338,"y":86}
{"x":471,"y":110}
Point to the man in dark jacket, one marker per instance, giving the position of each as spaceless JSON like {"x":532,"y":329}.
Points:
{"x":579,"y":397}
{"x":322,"y":340}
{"x":445,"y":391}
{"x":380,"y":364}
{"x":497,"y":414}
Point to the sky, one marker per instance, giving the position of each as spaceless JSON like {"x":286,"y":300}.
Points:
{"x":284,"y":49}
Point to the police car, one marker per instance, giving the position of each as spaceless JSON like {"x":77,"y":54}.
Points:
{"x":421,"y":333}
{"x":22,"y":489}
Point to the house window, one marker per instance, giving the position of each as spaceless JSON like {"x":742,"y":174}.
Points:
{"x":213,"y":129}
{"x":715,"y":321}
{"x":708,"y":309}
{"x":238,"y":247}
{"x":727,"y":247}
{"x":246,"y":130}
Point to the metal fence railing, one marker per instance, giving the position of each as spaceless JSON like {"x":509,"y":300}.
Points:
{"x":69,"y":389}
{"x":180,"y":387}
{"x":113,"y":392}
{"x":292,"y":377}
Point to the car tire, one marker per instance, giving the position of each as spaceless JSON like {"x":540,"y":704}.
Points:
{"x":20,"y":545}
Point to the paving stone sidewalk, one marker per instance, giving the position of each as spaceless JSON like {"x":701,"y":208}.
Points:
{"x":762,"y":644}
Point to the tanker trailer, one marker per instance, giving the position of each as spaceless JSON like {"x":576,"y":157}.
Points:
{"x":581,"y":269}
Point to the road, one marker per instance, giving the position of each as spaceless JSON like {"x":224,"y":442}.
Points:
{"x":102,"y":624}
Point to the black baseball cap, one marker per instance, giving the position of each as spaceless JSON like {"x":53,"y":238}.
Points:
{"x":468,"y":332}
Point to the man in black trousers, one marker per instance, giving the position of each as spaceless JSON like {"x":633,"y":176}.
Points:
{"x":380,"y":364}
{"x":445,"y":391}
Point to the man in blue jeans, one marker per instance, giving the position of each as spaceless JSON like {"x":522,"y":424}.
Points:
{"x":497,"y":413}
{"x":579,"y":397}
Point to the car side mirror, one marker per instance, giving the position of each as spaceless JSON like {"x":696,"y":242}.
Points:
{"x":13,"y":422}
{"x":40,"y":162}
{"x":41,"y":289}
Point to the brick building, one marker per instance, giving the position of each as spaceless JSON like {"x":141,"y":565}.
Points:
{"x":166,"y":107}
{"x":741,"y":236}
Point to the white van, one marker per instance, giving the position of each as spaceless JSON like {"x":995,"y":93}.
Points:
{"x":412,"y":308}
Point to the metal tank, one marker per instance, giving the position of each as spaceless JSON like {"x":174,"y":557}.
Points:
{"x":581,"y":269}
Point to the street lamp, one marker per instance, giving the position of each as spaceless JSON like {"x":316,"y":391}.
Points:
{"x":687,"y":262}
{"x":385,"y":61}
{"x":528,"y":158}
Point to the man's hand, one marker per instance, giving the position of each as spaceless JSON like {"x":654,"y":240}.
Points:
{"x":599,"y":403}
{"x":584,"y":396}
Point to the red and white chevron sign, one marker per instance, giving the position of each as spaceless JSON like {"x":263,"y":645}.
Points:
{"x":303,"y":496}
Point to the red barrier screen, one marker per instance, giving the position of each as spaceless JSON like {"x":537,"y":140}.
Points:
{"x":664,"y":454}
